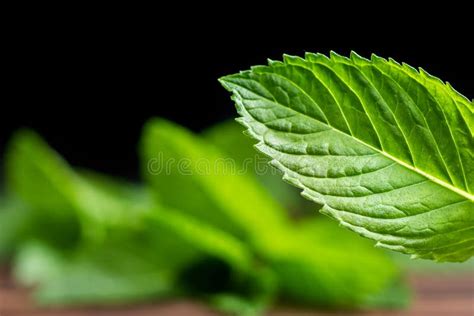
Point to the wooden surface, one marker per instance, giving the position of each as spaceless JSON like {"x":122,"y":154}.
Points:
{"x":434,"y":295}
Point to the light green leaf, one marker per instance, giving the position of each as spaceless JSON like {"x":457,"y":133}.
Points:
{"x":193,"y":176}
{"x":135,"y":265}
{"x":310,"y":264}
{"x":38,"y":176}
{"x":318,"y":264}
{"x":230,"y":139}
{"x":15,"y":219}
{"x":167,"y":255}
{"x":91,"y":276}
{"x":387,"y":150}
{"x":176,"y":233}
{"x":133,"y":248}
{"x":107,"y":208}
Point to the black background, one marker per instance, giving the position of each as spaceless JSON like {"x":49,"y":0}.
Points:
{"x":89,"y":91}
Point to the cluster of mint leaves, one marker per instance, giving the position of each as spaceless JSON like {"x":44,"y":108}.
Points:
{"x":80,"y":237}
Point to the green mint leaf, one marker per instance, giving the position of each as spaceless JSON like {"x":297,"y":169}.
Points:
{"x":38,"y":175}
{"x":387,"y":150}
{"x":310,"y":267}
{"x":193,"y":176}
{"x":15,"y":220}
{"x":306,"y":244}
{"x":117,"y":220}
{"x":136,"y":265}
{"x":318,"y":264}
{"x":228,"y":137}
{"x":119,"y":275}
{"x":45,"y":182}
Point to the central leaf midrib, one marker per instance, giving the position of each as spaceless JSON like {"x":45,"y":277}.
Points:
{"x":412,"y":168}
{"x":375,"y":129}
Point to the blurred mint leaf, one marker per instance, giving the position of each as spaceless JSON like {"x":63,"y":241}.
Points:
{"x":133,"y":265}
{"x":130,"y":192}
{"x":230,"y":139}
{"x":311,"y":264}
{"x":193,"y":176}
{"x":317,"y":264}
{"x":15,"y":221}
{"x":38,"y":176}
{"x":228,"y":136}
{"x":123,"y":220}
{"x":176,"y":233}
{"x":260,"y":295}
{"x":90,"y":276}
{"x":20,"y":222}
{"x":167,"y":242}
{"x":386,"y":149}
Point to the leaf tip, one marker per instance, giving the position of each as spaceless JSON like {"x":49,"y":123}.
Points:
{"x":375,"y":58}
{"x":337,"y":57}
{"x":313,"y":57}
{"x":357,"y":58}
{"x":393,"y":62}
{"x":272,"y":62}
{"x":287,"y":57}
{"x":224,"y":82}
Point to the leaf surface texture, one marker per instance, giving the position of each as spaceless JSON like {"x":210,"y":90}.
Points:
{"x":386,"y":149}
